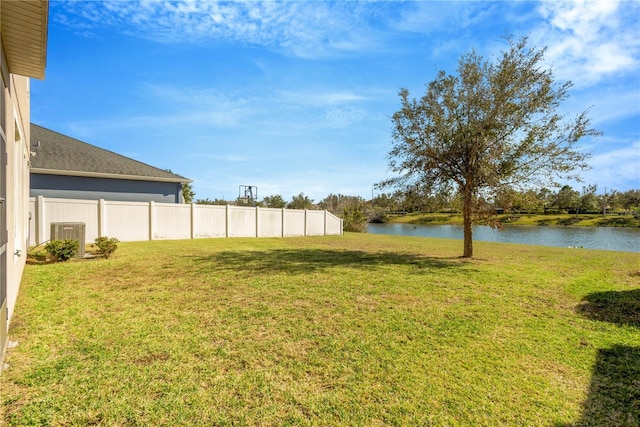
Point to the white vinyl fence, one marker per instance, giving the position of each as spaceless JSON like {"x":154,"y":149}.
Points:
{"x":137,"y":221}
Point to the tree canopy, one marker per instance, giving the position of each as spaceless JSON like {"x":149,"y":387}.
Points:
{"x":274,"y":201}
{"x":301,"y":201}
{"x":495,"y":124}
{"x":187,"y":193}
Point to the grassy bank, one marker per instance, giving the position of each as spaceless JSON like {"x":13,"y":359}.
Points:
{"x":585,"y":220}
{"x":352,"y":330}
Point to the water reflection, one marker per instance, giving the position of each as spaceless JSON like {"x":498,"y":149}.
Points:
{"x":607,"y":238}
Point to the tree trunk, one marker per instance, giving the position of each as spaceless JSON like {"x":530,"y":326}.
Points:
{"x":467,"y":211}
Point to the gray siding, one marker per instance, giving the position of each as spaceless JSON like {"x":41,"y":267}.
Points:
{"x":76,"y":187}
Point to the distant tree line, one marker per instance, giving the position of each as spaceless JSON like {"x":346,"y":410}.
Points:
{"x":301,"y":201}
{"x":508,"y":200}
{"x":357,"y":211}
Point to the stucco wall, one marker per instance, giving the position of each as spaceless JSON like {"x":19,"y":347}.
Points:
{"x":15,"y":183}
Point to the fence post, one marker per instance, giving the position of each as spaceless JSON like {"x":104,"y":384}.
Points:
{"x":193,"y":220}
{"x":325,"y":222}
{"x":226,"y":222}
{"x":151,"y":219}
{"x":257,"y":221}
{"x":305,"y":223}
{"x":101,"y":219}
{"x":39,"y":220}
{"x":283,"y":221}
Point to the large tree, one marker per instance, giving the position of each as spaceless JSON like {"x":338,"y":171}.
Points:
{"x":495,"y":124}
{"x":567,"y":199}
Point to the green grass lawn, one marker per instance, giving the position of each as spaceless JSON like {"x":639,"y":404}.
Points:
{"x":585,"y":220}
{"x":358,"y":330}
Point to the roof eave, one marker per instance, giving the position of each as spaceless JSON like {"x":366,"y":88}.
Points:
{"x":24,"y":29}
{"x":108,"y":175}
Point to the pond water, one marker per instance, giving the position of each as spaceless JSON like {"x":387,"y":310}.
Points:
{"x":607,"y":238}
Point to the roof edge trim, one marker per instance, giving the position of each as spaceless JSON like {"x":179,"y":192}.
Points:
{"x":107,"y":175}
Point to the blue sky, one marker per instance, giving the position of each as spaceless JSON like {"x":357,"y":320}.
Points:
{"x":297,"y":96}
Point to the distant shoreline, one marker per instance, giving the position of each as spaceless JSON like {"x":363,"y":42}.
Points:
{"x":581,"y":220}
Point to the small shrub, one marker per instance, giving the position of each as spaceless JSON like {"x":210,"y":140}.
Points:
{"x":62,"y":250}
{"x":106,"y":246}
{"x":354,"y":219}
{"x":40,"y":255}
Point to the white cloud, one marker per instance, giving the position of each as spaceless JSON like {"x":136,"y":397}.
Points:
{"x":590,"y":40}
{"x":630,"y":153}
{"x":425,"y":17}
{"x":180,"y":106}
{"x":320,"y":98}
{"x":303,"y":29}
{"x":611,"y":106}
{"x":343,"y":117}
{"x":194,"y":105}
{"x":617,"y":168}
{"x":202,"y":109}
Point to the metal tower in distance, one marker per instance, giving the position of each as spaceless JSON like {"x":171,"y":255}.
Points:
{"x":249,"y":193}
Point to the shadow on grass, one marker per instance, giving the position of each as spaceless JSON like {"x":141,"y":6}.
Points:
{"x":431,"y":220}
{"x":620,"y":307}
{"x":571,"y":220}
{"x":566,"y":221}
{"x":614,"y":393}
{"x":302,"y":261}
{"x":619,"y":222}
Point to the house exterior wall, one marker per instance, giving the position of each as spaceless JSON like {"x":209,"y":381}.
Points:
{"x":14,"y":180}
{"x":23,"y":45}
{"x":88,"y":188}
{"x":4,"y":106}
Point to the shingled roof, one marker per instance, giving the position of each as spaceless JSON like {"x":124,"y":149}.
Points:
{"x":58,"y":154}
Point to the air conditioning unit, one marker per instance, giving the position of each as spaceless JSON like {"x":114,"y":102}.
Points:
{"x":71,"y":231}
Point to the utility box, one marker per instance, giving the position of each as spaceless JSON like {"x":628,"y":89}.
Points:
{"x":71,"y":231}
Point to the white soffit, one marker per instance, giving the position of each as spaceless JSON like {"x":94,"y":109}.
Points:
{"x":24,"y":35}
